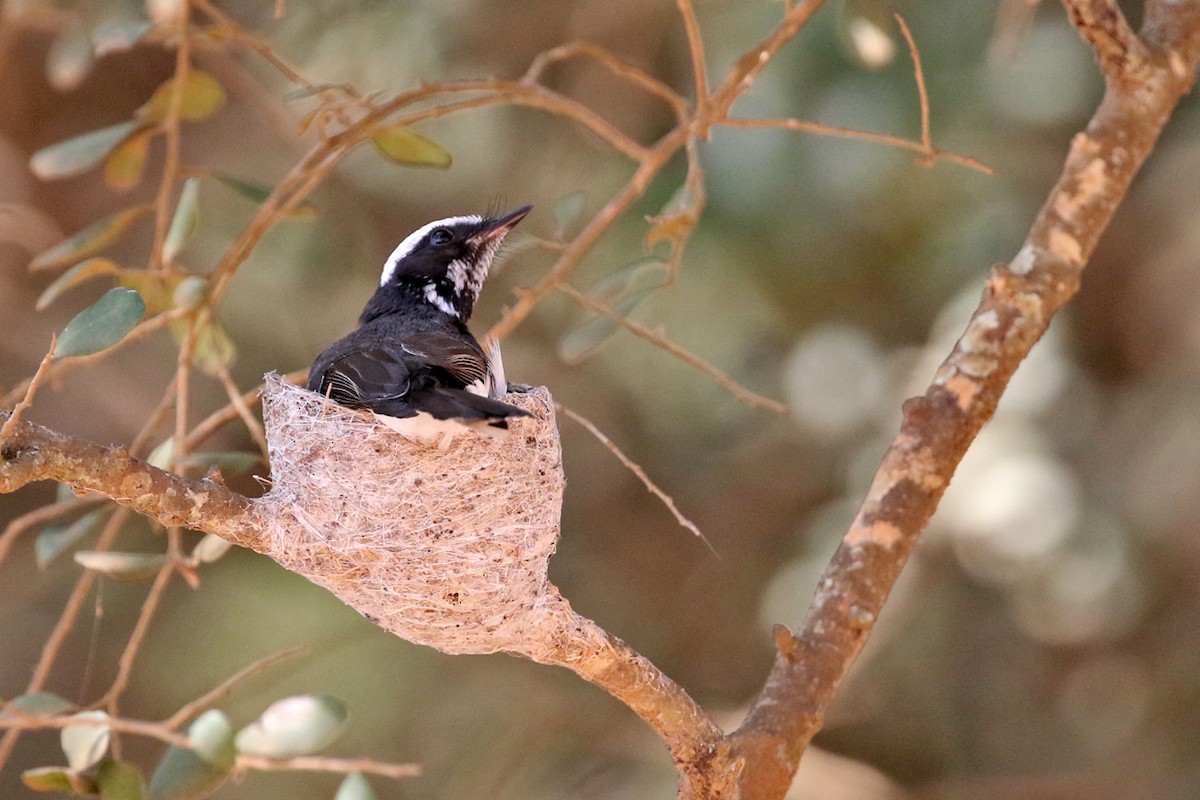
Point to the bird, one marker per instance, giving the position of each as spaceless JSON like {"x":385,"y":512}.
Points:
{"x":412,"y":360}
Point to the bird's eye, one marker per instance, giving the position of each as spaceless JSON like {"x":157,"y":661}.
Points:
{"x":440,"y":236}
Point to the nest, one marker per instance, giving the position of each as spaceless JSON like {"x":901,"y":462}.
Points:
{"x":443,"y":547}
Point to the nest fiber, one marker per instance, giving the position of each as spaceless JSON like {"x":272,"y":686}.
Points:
{"x":443,"y":547}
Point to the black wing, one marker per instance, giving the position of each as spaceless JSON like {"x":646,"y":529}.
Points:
{"x":423,"y":373}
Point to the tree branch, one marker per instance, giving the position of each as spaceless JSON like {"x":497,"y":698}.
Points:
{"x":1118,"y":49}
{"x":34,"y":453}
{"x":1017,"y":306}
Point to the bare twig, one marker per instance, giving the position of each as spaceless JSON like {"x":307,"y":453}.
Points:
{"x":7,"y":428}
{"x":696,"y":50}
{"x":866,"y":136}
{"x":163,"y":209}
{"x":637,"y":471}
{"x":622,"y":69}
{"x":926,"y":133}
{"x":225,"y":687}
{"x":339,"y":766}
{"x":736,"y":389}
{"x":239,"y":404}
{"x":62,"y":628}
{"x":145,"y":615}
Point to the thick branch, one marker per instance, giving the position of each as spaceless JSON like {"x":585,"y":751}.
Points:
{"x":1018,"y":304}
{"x":1118,"y":49}
{"x":34,"y":453}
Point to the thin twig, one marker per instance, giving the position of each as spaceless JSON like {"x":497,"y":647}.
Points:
{"x":636,"y":469}
{"x":819,"y":129}
{"x":145,"y":615}
{"x":154,"y":419}
{"x":11,"y":423}
{"x":926,"y":134}
{"x":618,"y":66}
{"x":163,"y":210}
{"x":41,"y":516}
{"x":696,"y":50}
{"x":740,"y":392}
{"x":254,"y":427}
{"x":61,"y":365}
{"x":66,"y":621}
{"x":223,"y":416}
{"x":225,"y":687}
{"x":340,"y":766}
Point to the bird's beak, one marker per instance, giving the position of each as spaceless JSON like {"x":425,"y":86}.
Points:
{"x":494,"y":231}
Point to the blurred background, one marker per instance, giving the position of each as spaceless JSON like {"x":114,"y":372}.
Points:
{"x":1045,"y":640}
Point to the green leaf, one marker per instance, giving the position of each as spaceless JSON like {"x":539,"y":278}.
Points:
{"x":124,"y":164}
{"x":119,"y":35}
{"x":57,"y":779}
{"x":355,"y":787}
{"x":230,"y":462}
{"x":214,"y":351}
{"x":52,"y":541}
{"x":568,"y":209}
{"x":90,"y":240}
{"x":41,"y":703}
{"x":123,"y":567}
{"x":75,"y":156}
{"x":189,"y":773}
{"x":70,"y":57}
{"x":87,"y":742}
{"x":210,"y":548}
{"x":578,"y":344}
{"x":85,"y":270}
{"x":405,"y":146}
{"x":258,"y":193}
{"x":643,"y":275}
{"x":202,"y":97}
{"x":101,"y":325}
{"x":119,"y":780}
{"x":294,"y":726}
{"x":184,"y":221}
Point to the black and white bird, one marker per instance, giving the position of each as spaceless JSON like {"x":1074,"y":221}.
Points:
{"x":412,"y":355}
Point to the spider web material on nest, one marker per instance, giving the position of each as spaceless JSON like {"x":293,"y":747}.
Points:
{"x":447,"y":548}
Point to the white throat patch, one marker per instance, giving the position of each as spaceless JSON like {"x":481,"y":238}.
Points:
{"x":413,"y":239}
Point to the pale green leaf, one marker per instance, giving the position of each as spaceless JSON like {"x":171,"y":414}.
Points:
{"x":258,"y":193}
{"x":355,"y":787}
{"x":102,"y":324}
{"x":85,"y":270}
{"x":163,"y":456}
{"x":214,"y":351}
{"x":79,"y":154}
{"x":405,"y":146}
{"x":52,"y":541}
{"x":184,"y":220}
{"x":294,"y":726}
{"x":124,"y":567}
{"x":202,"y":97}
{"x":90,"y":240}
{"x":119,"y":780}
{"x":118,"y":35}
{"x":86,"y":743}
{"x":581,"y":342}
{"x":41,"y":703}
{"x":643,"y":275}
{"x":210,"y":548}
{"x":191,"y":292}
{"x":195,"y":772}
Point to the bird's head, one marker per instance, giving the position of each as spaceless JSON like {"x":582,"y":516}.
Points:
{"x":444,"y":263}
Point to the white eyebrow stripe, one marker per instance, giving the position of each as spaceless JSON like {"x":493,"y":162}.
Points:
{"x":413,"y":239}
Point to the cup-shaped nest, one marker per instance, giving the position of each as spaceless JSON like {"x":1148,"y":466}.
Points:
{"x":446,"y":547}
